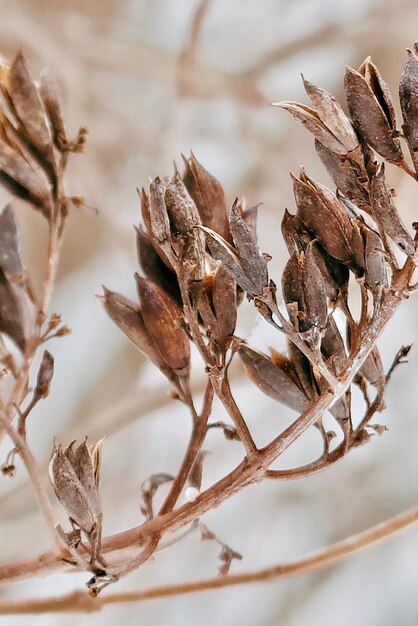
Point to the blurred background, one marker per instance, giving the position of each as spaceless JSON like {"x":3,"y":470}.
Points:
{"x":152,"y":79}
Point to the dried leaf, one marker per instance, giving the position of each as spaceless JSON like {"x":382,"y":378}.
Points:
{"x":386,"y":214}
{"x":276,"y":381}
{"x":369,"y":117}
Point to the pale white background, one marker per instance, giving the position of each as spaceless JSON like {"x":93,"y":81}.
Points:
{"x":117,"y":62}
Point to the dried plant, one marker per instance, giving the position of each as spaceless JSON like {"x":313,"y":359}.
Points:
{"x":198,"y":261}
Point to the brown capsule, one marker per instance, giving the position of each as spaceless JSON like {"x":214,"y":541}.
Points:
{"x":323,"y":215}
{"x":332,"y":346}
{"x":303,"y":369}
{"x":252,"y":261}
{"x":24,"y":181}
{"x":154,"y":267}
{"x":45,"y":374}
{"x":312,"y":121}
{"x":74,"y":475}
{"x":159,"y":223}
{"x":10,"y":255}
{"x":386,"y":214}
{"x":208,"y":196}
{"x":293,"y":292}
{"x":16,"y":312}
{"x":49,"y":93}
{"x":348,"y":175}
{"x":27,"y":105}
{"x":127,"y":315}
{"x":376,"y":273}
{"x":408,"y":95}
{"x":224,"y":252}
{"x":163,"y":322}
{"x":224,"y":298}
{"x":314,"y":288}
{"x":332,"y":116}
{"x":372,"y":369}
{"x":273,"y":379}
{"x":184,"y":221}
{"x":380,"y":90}
{"x":369,"y":118}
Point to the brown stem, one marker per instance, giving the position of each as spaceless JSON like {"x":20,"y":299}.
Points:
{"x":37,"y":482}
{"x":81,"y":602}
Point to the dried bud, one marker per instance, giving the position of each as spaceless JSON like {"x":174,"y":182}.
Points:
{"x":163,"y":322}
{"x":372,"y":112}
{"x":208,"y":196}
{"x":74,"y":475}
{"x":323,"y":215}
{"x":276,"y":378}
{"x":10,"y":256}
{"x":408,"y":95}
{"x":45,"y":374}
{"x":386,"y":214}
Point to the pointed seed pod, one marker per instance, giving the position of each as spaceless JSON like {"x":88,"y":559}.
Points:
{"x":371,"y":120}
{"x":10,"y":254}
{"x":74,"y":475}
{"x":163,"y":319}
{"x":386,"y":214}
{"x":273,"y":379}
{"x":408,"y":95}
{"x":208,"y":196}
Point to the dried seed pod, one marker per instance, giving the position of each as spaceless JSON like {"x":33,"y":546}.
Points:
{"x":376,"y":273}
{"x":223,"y":252}
{"x":293,"y":293}
{"x":224,"y":298}
{"x":23,"y":180}
{"x":10,"y":255}
{"x":184,"y":220}
{"x":332,"y":346}
{"x":208,"y":196}
{"x":386,"y":214}
{"x":16,"y":312}
{"x":162,"y":319}
{"x":49,"y":94}
{"x":277,"y":380}
{"x":324,"y":216}
{"x":408,"y":95}
{"x":303,"y":369}
{"x":380,"y":90}
{"x":371,"y":120}
{"x":127,"y":315}
{"x":332,"y":116}
{"x":74,"y":475}
{"x":314,"y":289}
{"x":372,"y":369}
{"x":159,"y":224}
{"x":44,"y":378}
{"x":154,"y":268}
{"x":27,"y":105}
{"x":253,"y":263}
{"x":349,"y":176}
